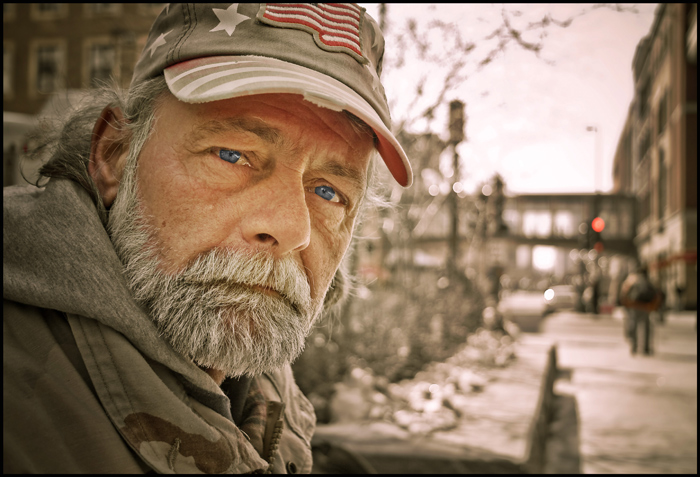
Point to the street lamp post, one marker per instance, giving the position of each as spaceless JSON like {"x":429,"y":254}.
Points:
{"x":598,"y":166}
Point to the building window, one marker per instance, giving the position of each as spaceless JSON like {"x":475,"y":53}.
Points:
{"x":662,"y":42}
{"x":662,"y":186}
{"x":644,"y":205}
{"x":662,"y":113}
{"x":644,"y":99}
{"x":48,"y":11}
{"x":672,"y":194}
{"x":644,"y":145}
{"x":626,"y":217}
{"x":102,"y":9}
{"x":564,"y":224}
{"x":7,"y":70}
{"x":8,"y":11}
{"x":47,"y":67}
{"x":642,"y":185}
{"x":537,"y":223}
{"x":102,"y":59}
{"x":665,"y":43}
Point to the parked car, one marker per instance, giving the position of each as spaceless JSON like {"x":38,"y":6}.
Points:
{"x":524,"y":308}
{"x":560,"y":297}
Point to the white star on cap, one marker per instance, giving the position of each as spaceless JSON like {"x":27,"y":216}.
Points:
{"x":160,"y":41}
{"x":228,"y":19}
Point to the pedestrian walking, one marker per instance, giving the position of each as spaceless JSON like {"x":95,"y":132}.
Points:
{"x":679,"y":294}
{"x":640,"y":298}
{"x":663,"y":308}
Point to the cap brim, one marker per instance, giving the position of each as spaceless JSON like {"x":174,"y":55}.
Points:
{"x":223,"y":77}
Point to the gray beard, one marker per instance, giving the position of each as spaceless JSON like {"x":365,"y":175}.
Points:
{"x":207,"y":311}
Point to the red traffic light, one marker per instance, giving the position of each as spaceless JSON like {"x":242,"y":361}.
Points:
{"x":598,"y":224}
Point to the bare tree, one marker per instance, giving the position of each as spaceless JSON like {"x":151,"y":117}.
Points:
{"x":512,"y":28}
{"x":422,"y":313}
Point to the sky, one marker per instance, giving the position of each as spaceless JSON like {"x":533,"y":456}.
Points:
{"x":527,"y":115}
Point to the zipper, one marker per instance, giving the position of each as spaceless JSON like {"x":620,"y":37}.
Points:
{"x":273,"y":432}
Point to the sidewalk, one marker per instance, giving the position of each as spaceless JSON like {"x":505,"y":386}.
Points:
{"x":635,"y":414}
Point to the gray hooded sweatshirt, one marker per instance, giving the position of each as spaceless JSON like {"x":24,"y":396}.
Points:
{"x":89,"y":386}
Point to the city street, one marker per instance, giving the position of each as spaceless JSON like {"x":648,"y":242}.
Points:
{"x":622,"y":413}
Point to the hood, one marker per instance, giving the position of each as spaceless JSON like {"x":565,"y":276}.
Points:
{"x":58,"y":255}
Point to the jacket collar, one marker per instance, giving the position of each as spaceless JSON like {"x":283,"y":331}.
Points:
{"x":58,"y":255}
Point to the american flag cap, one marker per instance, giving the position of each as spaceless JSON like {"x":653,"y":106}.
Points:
{"x":329,"y":53}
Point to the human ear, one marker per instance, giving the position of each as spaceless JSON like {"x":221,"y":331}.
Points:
{"x":107,"y":153}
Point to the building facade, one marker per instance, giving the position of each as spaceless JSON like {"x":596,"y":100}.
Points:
{"x":50,"y":47}
{"x":52,"y":51}
{"x":656,"y":157}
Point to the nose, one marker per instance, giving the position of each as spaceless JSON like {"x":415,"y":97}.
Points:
{"x":277,"y":219}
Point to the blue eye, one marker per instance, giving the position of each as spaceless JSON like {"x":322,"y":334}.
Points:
{"x":229,"y":156}
{"x":325,"y":192}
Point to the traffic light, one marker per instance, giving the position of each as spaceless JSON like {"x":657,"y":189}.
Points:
{"x":597,"y":226}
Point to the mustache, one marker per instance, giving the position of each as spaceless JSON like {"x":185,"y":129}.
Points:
{"x":256,"y":272}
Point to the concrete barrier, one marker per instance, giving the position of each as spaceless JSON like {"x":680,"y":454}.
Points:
{"x":539,"y":429}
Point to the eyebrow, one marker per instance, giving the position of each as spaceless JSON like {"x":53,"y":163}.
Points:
{"x":339,"y":169}
{"x":265,"y":132}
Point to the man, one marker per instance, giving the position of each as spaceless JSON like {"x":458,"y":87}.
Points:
{"x":639,"y":297}
{"x":156,"y":290}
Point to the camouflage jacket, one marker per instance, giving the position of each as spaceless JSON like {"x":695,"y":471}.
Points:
{"x":88,"y":384}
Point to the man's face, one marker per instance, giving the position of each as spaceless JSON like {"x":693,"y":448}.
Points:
{"x":223,"y":190}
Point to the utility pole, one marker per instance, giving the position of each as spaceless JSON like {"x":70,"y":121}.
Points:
{"x":594,"y":275}
{"x":598,"y":165}
{"x":456,"y":127}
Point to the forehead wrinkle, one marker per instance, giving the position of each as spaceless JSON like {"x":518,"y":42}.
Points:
{"x":269,"y":134}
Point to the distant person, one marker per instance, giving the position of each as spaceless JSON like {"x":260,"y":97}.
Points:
{"x":679,"y":293}
{"x":639,"y":296}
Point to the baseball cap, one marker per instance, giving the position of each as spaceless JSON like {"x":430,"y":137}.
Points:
{"x":329,"y":53}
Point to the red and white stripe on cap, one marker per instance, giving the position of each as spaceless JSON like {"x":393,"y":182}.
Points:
{"x":336,"y":27}
{"x":215,"y":78}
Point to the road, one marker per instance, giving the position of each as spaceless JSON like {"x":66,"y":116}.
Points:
{"x":631,"y":414}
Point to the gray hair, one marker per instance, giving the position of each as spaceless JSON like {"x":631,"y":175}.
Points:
{"x":67,"y":142}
